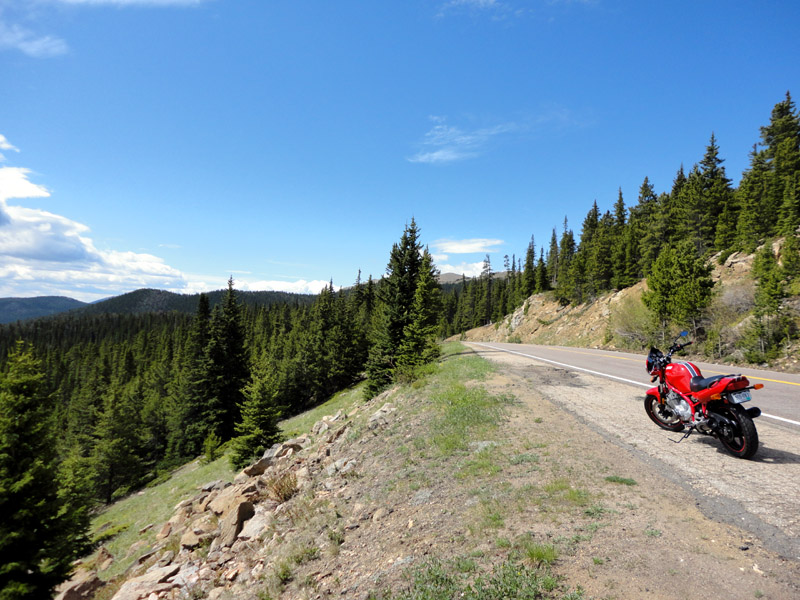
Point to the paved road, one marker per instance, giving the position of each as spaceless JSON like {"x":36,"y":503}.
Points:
{"x":779,"y":400}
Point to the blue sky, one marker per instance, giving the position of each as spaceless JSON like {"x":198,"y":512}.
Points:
{"x":173,"y":143}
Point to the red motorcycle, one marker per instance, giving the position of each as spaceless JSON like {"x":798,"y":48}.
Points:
{"x":713,"y":405}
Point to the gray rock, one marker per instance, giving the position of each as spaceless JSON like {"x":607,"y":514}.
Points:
{"x":233,"y":522}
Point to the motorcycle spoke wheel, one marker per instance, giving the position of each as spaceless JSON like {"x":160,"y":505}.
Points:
{"x":742,"y":442}
{"x":661,"y":415}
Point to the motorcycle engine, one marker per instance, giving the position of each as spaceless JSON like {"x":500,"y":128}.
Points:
{"x":679,"y":406}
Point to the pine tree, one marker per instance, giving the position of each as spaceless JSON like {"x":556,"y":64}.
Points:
{"x":419,"y":344}
{"x":40,"y":531}
{"x":258,"y":429}
{"x":226,"y":366}
{"x":396,"y":293}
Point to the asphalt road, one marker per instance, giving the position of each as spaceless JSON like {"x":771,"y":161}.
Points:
{"x":779,"y":401}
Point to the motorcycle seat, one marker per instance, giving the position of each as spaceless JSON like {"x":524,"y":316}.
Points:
{"x":699,"y":383}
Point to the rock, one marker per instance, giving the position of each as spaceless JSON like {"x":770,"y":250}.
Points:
{"x":82,"y":585}
{"x":190,"y":540}
{"x":165,"y":531}
{"x":166,"y":558}
{"x":258,"y":467}
{"x":214,"y":485}
{"x":154,"y":581}
{"x":380,"y":514}
{"x":380,"y":418}
{"x":254,"y":527}
{"x":233,"y":522}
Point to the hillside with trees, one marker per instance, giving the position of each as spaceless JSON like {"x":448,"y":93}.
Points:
{"x":673,"y":240}
{"x":122,"y":396}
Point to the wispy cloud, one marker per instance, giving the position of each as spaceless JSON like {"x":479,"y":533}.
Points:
{"x":469,"y":246}
{"x":6,"y":146}
{"x":16,"y":37}
{"x":131,"y":2}
{"x":445,"y":143}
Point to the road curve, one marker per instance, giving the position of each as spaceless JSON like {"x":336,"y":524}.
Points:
{"x":779,"y":401}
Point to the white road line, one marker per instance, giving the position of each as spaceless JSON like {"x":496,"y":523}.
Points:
{"x":630,"y":381}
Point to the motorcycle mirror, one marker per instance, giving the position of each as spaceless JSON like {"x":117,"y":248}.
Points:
{"x":684,"y":333}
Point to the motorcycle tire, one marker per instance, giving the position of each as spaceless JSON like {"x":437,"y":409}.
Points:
{"x":661,"y":415}
{"x":742,"y":442}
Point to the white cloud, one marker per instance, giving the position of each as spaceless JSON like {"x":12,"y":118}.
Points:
{"x":468,"y":246}
{"x":14,"y":184}
{"x":464,"y":268}
{"x":301,"y":286}
{"x":42,"y":253}
{"x":445,"y":143}
{"x":16,"y":37}
{"x":6,"y":145}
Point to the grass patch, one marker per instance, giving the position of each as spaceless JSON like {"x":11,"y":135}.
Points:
{"x":620,"y":480}
{"x":343,"y":401}
{"x":151,"y":506}
{"x":521,"y":459}
{"x":465,"y":413}
{"x":439,"y":581}
{"x":483,"y":464}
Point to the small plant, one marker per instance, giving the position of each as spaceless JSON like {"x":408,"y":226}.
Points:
{"x":282,"y":487}
{"x":595,"y":511}
{"x":306,"y":554}
{"x":211,"y":448}
{"x":283,"y":572}
{"x":598,"y":561}
{"x":107,"y":532}
{"x":620,"y":480}
{"x":541,"y":554}
{"x":336,"y":536}
{"x":653,"y":532}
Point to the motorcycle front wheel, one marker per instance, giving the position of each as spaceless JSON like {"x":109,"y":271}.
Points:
{"x":742,"y":440}
{"x":661,"y":415}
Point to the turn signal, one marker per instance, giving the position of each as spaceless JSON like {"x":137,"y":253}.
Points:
{"x":716,"y":397}
{"x":758,"y":386}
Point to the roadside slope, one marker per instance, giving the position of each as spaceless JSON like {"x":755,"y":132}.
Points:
{"x":468,"y":469}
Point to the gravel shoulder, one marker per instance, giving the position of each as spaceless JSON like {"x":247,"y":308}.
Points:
{"x":697,"y":522}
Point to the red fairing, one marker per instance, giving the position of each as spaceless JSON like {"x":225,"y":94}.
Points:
{"x":679,"y":375}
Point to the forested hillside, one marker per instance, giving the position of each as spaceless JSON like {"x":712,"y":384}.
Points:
{"x":149,"y":381}
{"x":19,"y":309}
{"x":669,"y":238}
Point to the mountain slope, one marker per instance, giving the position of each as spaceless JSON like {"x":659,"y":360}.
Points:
{"x":20,"y":309}
{"x":469,"y":473}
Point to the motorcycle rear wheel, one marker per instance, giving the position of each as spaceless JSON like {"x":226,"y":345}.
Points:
{"x":661,"y":415}
{"x":742,"y":442}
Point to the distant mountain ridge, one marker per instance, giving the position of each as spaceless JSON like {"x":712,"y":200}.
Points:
{"x":140,"y":301}
{"x":21,"y":309}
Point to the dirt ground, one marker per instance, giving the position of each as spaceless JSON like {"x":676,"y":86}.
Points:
{"x":632,"y":514}
{"x":729,"y":528}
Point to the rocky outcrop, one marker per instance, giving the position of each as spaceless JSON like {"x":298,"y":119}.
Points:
{"x":220,"y":539}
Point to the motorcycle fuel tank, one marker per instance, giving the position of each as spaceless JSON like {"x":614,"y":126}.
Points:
{"x":680,"y":374}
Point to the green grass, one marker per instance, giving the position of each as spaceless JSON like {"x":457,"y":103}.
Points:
{"x":620,"y":480}
{"x":152,"y":506}
{"x":436,"y":580}
{"x":482,"y":464}
{"x":304,"y":422}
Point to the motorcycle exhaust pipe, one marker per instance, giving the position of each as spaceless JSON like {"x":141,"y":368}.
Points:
{"x":753,"y":412}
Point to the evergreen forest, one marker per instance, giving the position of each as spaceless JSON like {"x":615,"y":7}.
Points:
{"x":95,"y":405}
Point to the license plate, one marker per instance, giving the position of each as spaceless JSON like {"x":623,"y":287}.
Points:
{"x":739,"y":397}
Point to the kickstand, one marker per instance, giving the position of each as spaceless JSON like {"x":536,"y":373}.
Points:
{"x":685,"y":435}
